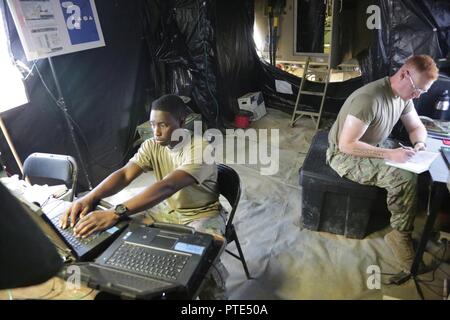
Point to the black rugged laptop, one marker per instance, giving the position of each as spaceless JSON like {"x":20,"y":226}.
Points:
{"x":70,"y":247}
{"x":150,"y":262}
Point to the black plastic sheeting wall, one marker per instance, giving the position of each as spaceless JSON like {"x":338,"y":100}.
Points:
{"x":207,"y":52}
{"x":184,"y":44}
{"x":310,"y":26}
{"x":408,"y":28}
{"x":336,"y":94}
{"x":239,"y":68}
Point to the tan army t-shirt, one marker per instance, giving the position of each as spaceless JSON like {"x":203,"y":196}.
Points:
{"x":375,"y":105}
{"x":192,"y":202}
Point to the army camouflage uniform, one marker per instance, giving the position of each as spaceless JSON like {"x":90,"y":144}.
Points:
{"x":212,"y":225}
{"x":400,"y":184}
{"x":376,"y":105}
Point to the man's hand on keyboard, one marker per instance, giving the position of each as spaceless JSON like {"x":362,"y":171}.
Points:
{"x":94,"y":222}
{"x":78,"y":209}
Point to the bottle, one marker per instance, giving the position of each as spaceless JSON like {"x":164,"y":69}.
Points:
{"x":441,"y":111}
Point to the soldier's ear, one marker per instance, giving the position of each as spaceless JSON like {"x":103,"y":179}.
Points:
{"x":182,"y":122}
{"x":403,"y":74}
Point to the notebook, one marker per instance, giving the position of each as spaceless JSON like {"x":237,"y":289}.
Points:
{"x":419,"y":163}
{"x":152,"y":262}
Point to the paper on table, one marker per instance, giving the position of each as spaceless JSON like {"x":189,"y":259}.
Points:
{"x":283,"y":87}
{"x":421,"y":162}
{"x":32,"y":193}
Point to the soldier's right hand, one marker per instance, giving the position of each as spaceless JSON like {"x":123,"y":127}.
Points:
{"x":79,"y":208}
{"x":401,"y":155}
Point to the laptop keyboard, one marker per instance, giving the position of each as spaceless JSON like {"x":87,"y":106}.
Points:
{"x":76,"y":243}
{"x":148,"y":261}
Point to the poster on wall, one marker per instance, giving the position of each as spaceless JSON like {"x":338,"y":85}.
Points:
{"x":49,"y":28}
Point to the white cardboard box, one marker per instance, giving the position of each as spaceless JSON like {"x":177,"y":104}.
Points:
{"x":253,"y":102}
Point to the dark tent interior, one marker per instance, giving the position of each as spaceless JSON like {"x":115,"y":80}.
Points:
{"x":205,"y":51}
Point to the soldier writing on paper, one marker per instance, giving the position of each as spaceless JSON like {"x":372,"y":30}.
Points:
{"x":364,"y":122}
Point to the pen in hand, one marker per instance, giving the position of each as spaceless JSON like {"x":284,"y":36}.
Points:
{"x":405,"y":147}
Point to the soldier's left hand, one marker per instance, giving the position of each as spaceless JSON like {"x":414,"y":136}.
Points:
{"x":95,"y":221}
{"x":420,"y":147}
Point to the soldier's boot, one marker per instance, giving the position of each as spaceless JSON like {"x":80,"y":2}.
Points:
{"x":401,"y":245}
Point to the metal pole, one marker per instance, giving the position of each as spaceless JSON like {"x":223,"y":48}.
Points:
{"x":62,"y":105}
{"x":10,"y":144}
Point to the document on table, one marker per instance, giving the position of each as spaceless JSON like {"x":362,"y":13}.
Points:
{"x":419,"y":163}
{"x":33,"y":193}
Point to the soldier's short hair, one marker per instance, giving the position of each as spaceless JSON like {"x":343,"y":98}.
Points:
{"x":425,"y":65}
{"x":172,"y":104}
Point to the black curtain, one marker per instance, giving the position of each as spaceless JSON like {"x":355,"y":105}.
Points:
{"x":310,"y":26}
{"x":408,"y":28}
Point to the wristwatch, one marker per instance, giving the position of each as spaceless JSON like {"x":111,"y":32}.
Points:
{"x":417,"y":142}
{"x":121,"y":211}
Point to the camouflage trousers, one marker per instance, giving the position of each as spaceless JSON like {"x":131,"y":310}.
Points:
{"x":213,"y":287}
{"x":213,"y":225}
{"x":401,"y":185}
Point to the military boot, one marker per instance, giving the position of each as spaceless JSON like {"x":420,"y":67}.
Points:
{"x":401,"y":245}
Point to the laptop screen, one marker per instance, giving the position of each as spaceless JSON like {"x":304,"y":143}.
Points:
{"x":36,"y":214}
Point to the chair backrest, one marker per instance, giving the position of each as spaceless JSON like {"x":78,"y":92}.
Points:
{"x":52,"y":166}
{"x":230,"y":187}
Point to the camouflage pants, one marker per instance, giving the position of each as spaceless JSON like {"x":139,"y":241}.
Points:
{"x":212,"y":225}
{"x":401,"y":185}
{"x":214,"y":284}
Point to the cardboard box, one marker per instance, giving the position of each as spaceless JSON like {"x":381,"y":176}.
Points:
{"x":253,"y":102}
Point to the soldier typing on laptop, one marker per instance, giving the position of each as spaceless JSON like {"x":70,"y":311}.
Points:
{"x":186,"y":188}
